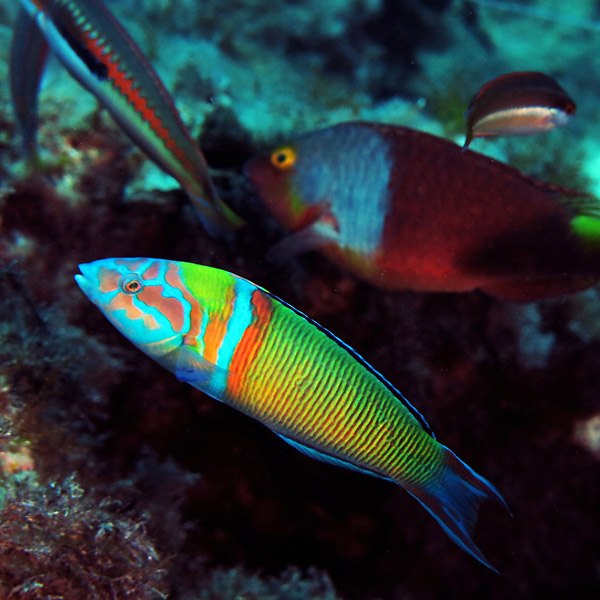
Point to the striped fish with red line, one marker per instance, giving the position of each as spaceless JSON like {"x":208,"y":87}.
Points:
{"x":244,"y":346}
{"x":102,"y":57}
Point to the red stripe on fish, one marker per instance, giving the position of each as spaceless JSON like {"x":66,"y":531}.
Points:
{"x":251,"y":341}
{"x":126,"y":85}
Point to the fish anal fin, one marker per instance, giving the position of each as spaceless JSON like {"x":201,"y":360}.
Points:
{"x":328,"y":458}
{"x":454,"y":501}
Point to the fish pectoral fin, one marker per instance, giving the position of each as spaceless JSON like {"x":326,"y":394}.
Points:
{"x":191,"y":367}
{"x":328,"y":458}
{"x":310,"y":238}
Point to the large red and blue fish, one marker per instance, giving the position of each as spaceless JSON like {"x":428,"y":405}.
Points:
{"x":104,"y":59}
{"x":404,"y":209}
{"x":244,"y":346}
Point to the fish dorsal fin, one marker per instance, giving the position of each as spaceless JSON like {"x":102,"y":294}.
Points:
{"x":191,"y":367}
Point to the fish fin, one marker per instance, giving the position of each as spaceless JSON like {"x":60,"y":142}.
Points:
{"x":310,"y":238}
{"x":217,"y":218}
{"x":578,"y":203}
{"x":191,"y":367}
{"x":454,"y":501}
{"x":328,"y":458}
{"x":587,"y":228}
{"x":529,"y":290}
{"x":468,"y":140}
{"x":28,"y":53}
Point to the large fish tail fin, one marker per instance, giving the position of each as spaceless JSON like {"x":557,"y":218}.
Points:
{"x":587,"y":229}
{"x":454,"y":501}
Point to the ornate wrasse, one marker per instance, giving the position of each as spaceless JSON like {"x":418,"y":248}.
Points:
{"x":244,"y":346}
{"x":99,"y":53}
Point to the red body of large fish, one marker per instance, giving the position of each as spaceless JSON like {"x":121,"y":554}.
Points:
{"x":456,"y":221}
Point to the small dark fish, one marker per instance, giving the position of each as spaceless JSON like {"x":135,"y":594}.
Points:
{"x":523,"y":103}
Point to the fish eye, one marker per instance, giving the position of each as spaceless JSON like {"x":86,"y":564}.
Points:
{"x":283,"y":158}
{"x":131,"y":284}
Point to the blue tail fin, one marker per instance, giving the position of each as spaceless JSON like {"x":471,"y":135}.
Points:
{"x":454,"y":502}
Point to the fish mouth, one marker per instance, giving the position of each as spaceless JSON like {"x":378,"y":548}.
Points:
{"x":85,"y":279}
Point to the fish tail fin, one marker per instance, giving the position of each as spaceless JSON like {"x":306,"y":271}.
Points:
{"x":217,"y":218}
{"x":587,"y":228}
{"x":454,"y":501}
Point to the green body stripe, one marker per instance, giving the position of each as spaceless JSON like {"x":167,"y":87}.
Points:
{"x":305,"y":386}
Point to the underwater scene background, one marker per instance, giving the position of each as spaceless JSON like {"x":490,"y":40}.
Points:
{"x":118,"y":481}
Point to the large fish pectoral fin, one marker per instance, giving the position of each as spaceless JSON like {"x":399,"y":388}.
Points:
{"x":191,"y":367}
{"x":312,"y":237}
{"x":454,"y":501}
{"x":328,"y":458}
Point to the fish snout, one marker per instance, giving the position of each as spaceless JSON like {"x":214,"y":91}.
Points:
{"x":86,"y":279}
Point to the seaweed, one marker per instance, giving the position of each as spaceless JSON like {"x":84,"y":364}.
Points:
{"x":59,"y":541}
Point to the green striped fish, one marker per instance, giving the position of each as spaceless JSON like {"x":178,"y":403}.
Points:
{"x":245,"y":347}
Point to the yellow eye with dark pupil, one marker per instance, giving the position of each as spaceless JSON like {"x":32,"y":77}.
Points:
{"x":131,"y":285}
{"x":283,"y":158}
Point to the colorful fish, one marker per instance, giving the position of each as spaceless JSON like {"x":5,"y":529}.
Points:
{"x":404,"y":209}
{"x":522,"y":103}
{"x":102,"y":57}
{"x":244,"y":346}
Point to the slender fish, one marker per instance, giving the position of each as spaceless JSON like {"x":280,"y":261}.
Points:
{"x":28,"y":53}
{"x":404,"y":209}
{"x":522,"y":103}
{"x":103,"y":58}
{"x":244,"y":346}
